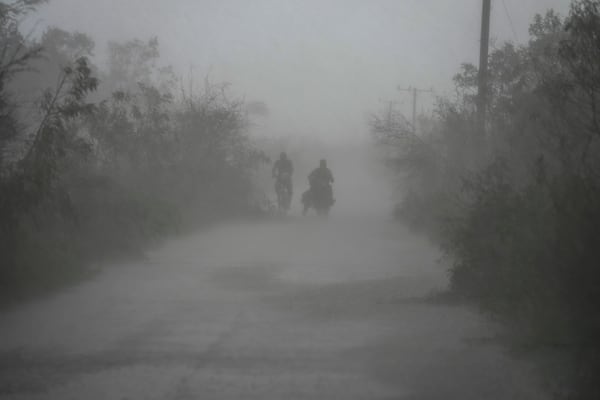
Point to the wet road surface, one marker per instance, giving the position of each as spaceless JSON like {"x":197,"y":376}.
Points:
{"x":290,"y":309}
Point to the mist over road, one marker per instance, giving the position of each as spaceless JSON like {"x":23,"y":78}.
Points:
{"x":150,"y":133}
{"x":291,"y":309}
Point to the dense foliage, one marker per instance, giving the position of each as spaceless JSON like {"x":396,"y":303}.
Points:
{"x":97,"y":164}
{"x":517,"y":208}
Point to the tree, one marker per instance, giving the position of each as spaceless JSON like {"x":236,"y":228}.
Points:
{"x":132,"y":62}
{"x":15,"y":55}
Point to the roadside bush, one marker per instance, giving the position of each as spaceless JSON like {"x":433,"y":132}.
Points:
{"x":106,"y":168}
{"x":523,"y":227}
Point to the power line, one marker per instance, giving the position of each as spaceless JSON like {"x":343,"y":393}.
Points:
{"x":512,"y":26}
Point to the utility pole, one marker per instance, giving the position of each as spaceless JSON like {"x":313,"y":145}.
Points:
{"x":390,"y":108}
{"x":415,"y":91}
{"x":483,"y":66}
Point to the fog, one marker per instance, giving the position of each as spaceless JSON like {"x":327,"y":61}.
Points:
{"x":231,"y":200}
{"x":320,"y":66}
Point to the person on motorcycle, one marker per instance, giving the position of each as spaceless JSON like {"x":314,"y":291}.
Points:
{"x":282,"y":172}
{"x":322,"y":174}
{"x":319,"y":178}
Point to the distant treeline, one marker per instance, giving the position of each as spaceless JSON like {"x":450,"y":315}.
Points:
{"x":517,"y":208}
{"x":99,"y":162}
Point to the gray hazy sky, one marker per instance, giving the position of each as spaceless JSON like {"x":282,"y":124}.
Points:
{"x":320,"y":65}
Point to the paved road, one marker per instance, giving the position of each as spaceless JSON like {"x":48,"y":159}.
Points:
{"x":293,"y":309}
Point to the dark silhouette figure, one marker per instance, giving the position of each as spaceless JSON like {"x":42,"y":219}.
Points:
{"x":320,"y":194}
{"x":282,"y":172}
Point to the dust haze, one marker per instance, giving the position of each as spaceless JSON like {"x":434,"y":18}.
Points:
{"x":321,"y":67}
{"x":299,"y":199}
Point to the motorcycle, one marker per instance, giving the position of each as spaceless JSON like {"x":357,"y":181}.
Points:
{"x":319,"y":197}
